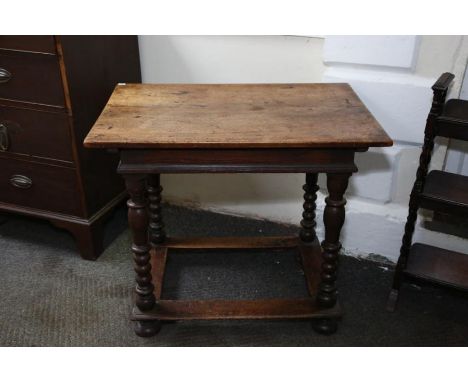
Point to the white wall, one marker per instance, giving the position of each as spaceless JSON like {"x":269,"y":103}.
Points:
{"x":391,"y":74}
{"x":218,"y":59}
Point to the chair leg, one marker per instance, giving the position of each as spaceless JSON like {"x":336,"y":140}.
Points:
{"x":404,"y":253}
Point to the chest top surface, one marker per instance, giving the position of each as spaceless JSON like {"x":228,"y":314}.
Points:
{"x":236,"y":116}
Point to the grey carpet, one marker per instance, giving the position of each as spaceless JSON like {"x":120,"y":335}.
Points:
{"x":50,"y":297}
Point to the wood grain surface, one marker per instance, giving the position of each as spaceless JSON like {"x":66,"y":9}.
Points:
{"x":235,"y":116}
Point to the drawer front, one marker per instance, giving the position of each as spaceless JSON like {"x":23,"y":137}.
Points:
{"x":40,"y":186}
{"x":36,"y":133}
{"x":31,"y":77}
{"x":40,"y":44}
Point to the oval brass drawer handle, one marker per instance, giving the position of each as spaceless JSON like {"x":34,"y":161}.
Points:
{"x":21,"y":181}
{"x":5,"y":76}
{"x":4,"y":140}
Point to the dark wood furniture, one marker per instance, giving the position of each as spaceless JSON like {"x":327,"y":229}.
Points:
{"x":52,"y":89}
{"x":438,"y":191}
{"x":305,"y":128}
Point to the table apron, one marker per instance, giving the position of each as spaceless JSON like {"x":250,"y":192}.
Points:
{"x":142,"y":161}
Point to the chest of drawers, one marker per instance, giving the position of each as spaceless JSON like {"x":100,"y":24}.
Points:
{"x":52,"y":89}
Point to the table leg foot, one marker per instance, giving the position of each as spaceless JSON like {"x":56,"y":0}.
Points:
{"x":147,"y":328}
{"x":325,"y":326}
{"x":392,"y":300}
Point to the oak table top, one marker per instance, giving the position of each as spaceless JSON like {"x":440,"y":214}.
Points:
{"x":236,"y":116}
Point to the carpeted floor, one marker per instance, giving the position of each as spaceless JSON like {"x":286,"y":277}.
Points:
{"x":50,"y":297}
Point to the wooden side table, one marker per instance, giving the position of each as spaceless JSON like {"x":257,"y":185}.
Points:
{"x":268,"y":128}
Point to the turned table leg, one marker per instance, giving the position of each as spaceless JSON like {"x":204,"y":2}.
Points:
{"x":333,"y":218}
{"x":307,"y":233}
{"x":156,"y":225}
{"x":138,"y":222}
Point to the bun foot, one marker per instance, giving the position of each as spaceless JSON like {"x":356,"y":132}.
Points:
{"x":147,"y":328}
{"x":325,"y":326}
{"x":392,"y":300}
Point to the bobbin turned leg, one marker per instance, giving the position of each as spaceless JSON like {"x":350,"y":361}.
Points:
{"x":156,"y":225}
{"x":138,"y":222}
{"x":333,"y":218}
{"x":307,"y":233}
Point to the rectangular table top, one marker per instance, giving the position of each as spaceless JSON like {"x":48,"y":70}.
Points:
{"x":236,"y":116}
